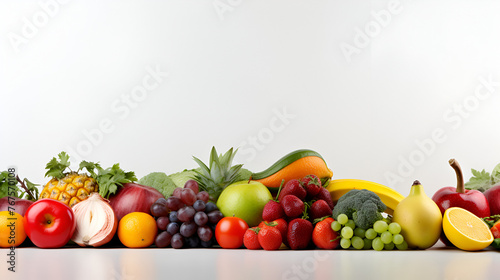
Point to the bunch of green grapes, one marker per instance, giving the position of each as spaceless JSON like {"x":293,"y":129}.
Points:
{"x":383,"y":235}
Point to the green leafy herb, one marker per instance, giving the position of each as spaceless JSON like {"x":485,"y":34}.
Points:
{"x":108,"y":180}
{"x":496,"y":243}
{"x":482,"y":180}
{"x":491,"y":220}
{"x":90,"y":167}
{"x":4,"y":185}
{"x":55,"y":168}
{"x":31,"y":189}
{"x":17,"y":188}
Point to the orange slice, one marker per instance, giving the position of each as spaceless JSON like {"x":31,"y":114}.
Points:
{"x":466,"y":230}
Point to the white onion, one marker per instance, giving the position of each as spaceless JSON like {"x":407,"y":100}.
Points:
{"x":96,"y":222}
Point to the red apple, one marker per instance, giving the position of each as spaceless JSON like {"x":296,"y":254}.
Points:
{"x":19,"y":205}
{"x":133,"y":197}
{"x":49,"y":223}
{"x":471,"y":200}
{"x":493,"y":197}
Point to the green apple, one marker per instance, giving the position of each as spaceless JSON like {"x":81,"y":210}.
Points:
{"x":244,"y":200}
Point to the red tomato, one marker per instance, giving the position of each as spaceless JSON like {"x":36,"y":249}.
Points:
{"x":49,"y":223}
{"x":495,"y":230}
{"x":229,"y":232}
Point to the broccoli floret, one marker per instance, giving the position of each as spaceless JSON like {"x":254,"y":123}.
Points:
{"x":159,"y":181}
{"x":364,"y":207}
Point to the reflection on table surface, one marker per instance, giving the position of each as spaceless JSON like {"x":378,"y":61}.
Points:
{"x":152,"y":263}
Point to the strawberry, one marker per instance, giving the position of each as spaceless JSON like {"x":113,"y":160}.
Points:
{"x":293,"y":187}
{"x":270,"y":238}
{"x":251,"y":240}
{"x":324,"y":237}
{"x":312,"y":184}
{"x":292,"y":205}
{"x":280,"y":224}
{"x":299,"y":233}
{"x":319,"y":209}
{"x":272,"y":211}
{"x":324,"y":194}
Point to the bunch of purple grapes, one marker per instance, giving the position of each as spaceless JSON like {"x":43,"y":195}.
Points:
{"x":186,"y":219}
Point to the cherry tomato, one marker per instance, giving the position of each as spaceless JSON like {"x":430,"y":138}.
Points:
{"x":495,"y":230}
{"x":229,"y":232}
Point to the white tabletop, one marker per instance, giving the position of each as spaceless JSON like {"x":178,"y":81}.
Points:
{"x":152,"y":263}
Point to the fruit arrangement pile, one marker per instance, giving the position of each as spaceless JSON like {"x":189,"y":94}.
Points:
{"x":294,"y":204}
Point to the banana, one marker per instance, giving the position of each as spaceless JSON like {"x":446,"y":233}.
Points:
{"x":389,"y":197}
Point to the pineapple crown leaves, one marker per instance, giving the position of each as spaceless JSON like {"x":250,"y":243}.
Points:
{"x":219,"y":173}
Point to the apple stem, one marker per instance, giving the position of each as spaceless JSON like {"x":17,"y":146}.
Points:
{"x":460,"y":177}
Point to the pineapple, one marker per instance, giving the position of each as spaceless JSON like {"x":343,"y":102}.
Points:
{"x":69,"y":188}
{"x":219,"y":174}
{"x":73,"y":187}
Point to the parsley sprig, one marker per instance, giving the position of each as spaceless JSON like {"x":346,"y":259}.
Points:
{"x":109,"y":180}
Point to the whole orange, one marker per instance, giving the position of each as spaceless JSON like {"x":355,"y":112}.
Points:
{"x":11,"y":229}
{"x":137,"y":230}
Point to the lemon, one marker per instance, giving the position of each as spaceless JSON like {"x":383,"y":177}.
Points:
{"x":465,"y":230}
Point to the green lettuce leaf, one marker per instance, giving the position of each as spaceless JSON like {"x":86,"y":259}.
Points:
{"x":495,"y":175}
{"x":159,"y":181}
{"x":480,"y":181}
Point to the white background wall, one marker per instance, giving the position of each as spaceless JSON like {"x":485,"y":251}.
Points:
{"x":362,"y":82}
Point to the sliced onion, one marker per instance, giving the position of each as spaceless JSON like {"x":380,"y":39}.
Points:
{"x":96,"y":222}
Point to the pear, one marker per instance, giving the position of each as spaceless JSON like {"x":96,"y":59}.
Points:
{"x":419,"y":217}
